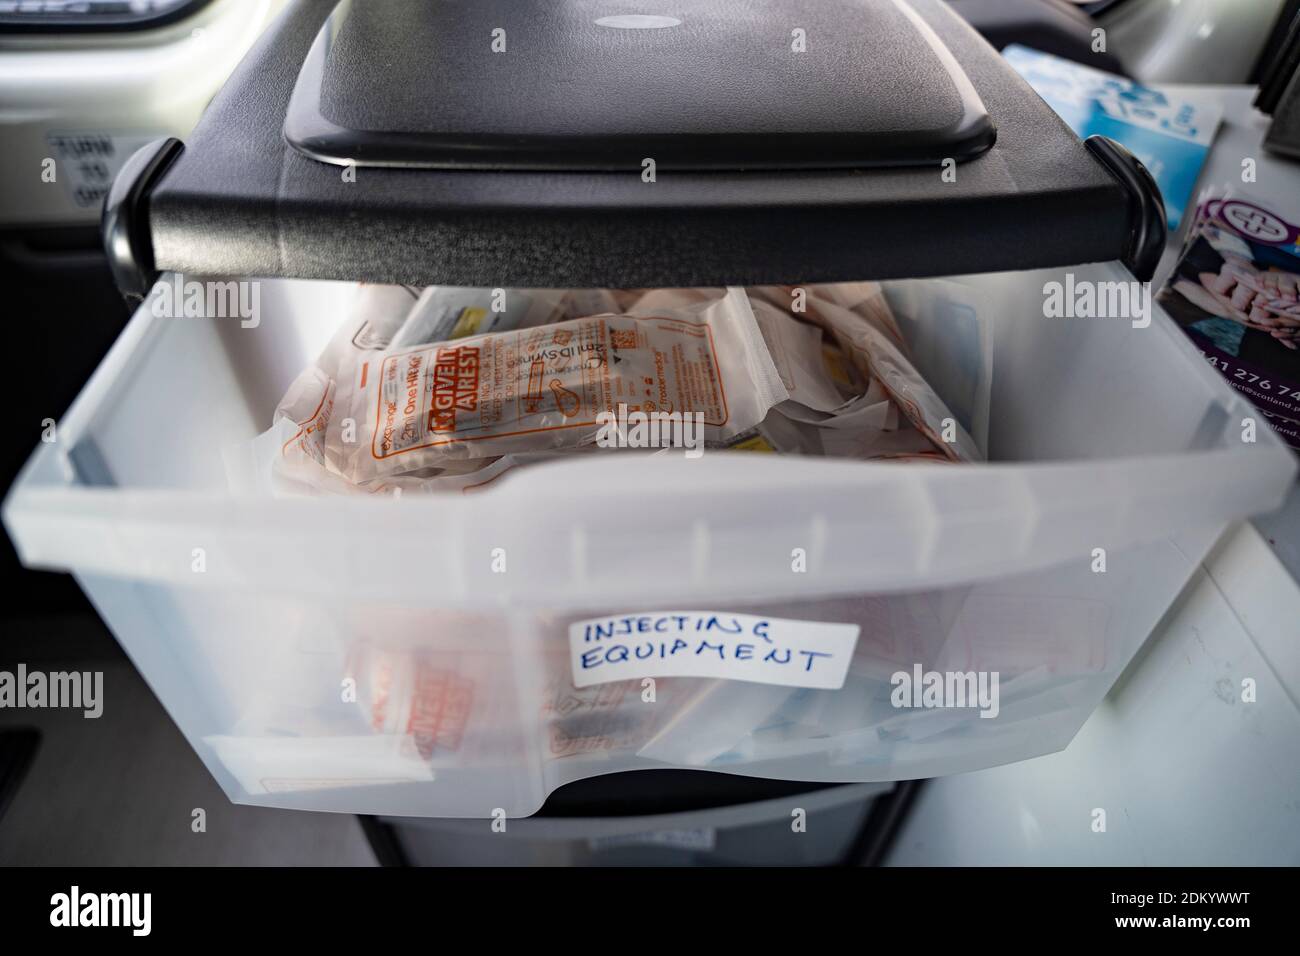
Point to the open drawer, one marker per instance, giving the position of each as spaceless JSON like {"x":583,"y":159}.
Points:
{"x":252,"y":618}
{"x":414,"y":657}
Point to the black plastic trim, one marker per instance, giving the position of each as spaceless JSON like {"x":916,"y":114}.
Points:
{"x":310,"y":132}
{"x":240,"y":201}
{"x":383,"y":840}
{"x":1148,"y":227}
{"x":653,"y":791}
{"x":98,"y":23}
{"x":883,"y":824}
{"x":1277,"y":74}
{"x":18,"y":746}
{"x":125,"y":223}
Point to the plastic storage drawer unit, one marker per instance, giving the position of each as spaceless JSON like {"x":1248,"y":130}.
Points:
{"x":245,"y":613}
{"x":412,"y":657}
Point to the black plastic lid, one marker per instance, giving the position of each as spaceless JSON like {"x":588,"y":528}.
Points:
{"x":604,"y":84}
{"x":241,"y":200}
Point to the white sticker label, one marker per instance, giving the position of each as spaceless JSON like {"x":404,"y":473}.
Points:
{"x":88,"y":162}
{"x":763,"y":650}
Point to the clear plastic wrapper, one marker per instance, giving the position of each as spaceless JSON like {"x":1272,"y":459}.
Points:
{"x":817,"y":370}
{"x":443,"y":313}
{"x":859,"y":321}
{"x":291,"y":456}
{"x":546,"y":388}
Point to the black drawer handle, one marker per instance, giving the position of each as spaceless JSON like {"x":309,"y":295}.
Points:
{"x":1147,"y":225}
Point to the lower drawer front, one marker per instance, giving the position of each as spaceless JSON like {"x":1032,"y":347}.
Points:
{"x":398,"y":710}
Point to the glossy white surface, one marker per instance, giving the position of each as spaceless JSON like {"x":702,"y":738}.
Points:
{"x":1187,"y":772}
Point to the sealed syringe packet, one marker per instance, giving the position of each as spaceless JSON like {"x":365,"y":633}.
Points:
{"x":442,"y":313}
{"x":370,"y":698}
{"x":549,"y":387}
{"x":833,"y":409}
{"x":759,"y":347}
{"x":291,"y":459}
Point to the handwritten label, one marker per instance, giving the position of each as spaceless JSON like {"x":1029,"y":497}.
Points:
{"x":763,"y":650}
